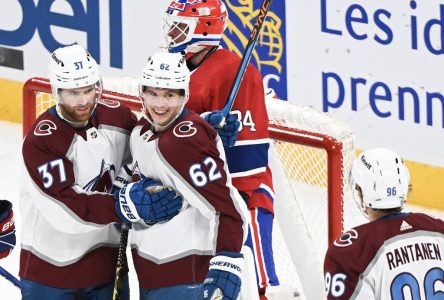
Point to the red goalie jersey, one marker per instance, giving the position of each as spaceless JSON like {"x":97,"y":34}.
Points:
{"x":248,"y":160}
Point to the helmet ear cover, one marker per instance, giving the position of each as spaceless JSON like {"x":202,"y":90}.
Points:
{"x":381,"y":178}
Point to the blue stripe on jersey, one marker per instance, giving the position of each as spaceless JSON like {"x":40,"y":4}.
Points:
{"x":247,"y":157}
{"x":264,"y":191}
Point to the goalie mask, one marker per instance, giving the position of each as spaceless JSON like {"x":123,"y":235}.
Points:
{"x":164,"y":88}
{"x":73,"y":68}
{"x":193,"y":25}
{"x":382,"y":178}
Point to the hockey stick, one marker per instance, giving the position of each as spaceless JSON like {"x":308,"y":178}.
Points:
{"x":121,"y":262}
{"x":10,"y":277}
{"x":246,"y":57}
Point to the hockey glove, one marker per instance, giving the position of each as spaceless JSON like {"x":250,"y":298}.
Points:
{"x":223,"y":279}
{"x":148,"y":200}
{"x":229,"y":131}
{"x":7,"y":228}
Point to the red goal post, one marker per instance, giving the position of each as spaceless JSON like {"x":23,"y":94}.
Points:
{"x":291,"y":127}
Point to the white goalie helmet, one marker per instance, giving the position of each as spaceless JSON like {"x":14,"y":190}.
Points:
{"x":168,"y":71}
{"x":382,"y":177}
{"x":73,"y":67}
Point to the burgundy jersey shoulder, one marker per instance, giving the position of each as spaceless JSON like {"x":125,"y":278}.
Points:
{"x":352,"y":253}
{"x":114,"y":113}
{"x":49,"y":133}
{"x":425,"y":222}
{"x":190,"y":130}
{"x":372,"y":235}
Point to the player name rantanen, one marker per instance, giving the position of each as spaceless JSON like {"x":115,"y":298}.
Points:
{"x":412,"y":253}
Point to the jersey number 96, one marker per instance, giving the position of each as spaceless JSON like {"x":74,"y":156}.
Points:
{"x":334,"y":284}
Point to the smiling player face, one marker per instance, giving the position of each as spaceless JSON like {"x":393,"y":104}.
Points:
{"x":163,"y":105}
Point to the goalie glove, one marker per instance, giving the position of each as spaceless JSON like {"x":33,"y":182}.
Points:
{"x":7,"y":228}
{"x":227,"y":132}
{"x":148,"y":200}
{"x":223,"y":280}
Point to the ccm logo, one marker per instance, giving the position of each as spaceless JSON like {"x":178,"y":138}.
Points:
{"x":7,"y":225}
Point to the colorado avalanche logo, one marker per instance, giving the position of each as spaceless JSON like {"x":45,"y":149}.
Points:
{"x":104,"y":181}
{"x":136,"y":173}
{"x":110,"y":103}
{"x":347,"y":238}
{"x":184,"y":129}
{"x":179,"y":5}
{"x":45,"y":127}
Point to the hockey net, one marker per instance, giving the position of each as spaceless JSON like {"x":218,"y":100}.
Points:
{"x":310,"y":156}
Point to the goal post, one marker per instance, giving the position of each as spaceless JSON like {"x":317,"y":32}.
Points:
{"x":334,"y":161}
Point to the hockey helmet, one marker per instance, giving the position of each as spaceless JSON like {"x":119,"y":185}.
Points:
{"x":382,"y":178}
{"x":192,"y":25}
{"x":168,"y":71}
{"x":73,"y":67}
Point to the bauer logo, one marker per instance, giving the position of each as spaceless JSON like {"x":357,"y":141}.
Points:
{"x":8,"y":225}
{"x":269,"y":54}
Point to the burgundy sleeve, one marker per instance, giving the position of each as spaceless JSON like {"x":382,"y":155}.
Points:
{"x":53,"y":174}
{"x":200,"y":151}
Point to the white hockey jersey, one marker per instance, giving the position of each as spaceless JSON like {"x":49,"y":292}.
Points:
{"x":189,"y":158}
{"x":400,"y":256}
{"x":69,"y":235}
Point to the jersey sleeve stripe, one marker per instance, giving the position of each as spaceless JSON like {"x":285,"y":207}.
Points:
{"x":247,"y":158}
{"x":252,"y":142}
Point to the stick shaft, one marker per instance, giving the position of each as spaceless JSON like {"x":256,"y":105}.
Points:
{"x":246,"y":56}
{"x":10,"y":277}
{"x":121,"y":262}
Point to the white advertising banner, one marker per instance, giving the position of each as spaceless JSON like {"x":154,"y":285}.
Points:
{"x":121,"y":46}
{"x":375,"y":64}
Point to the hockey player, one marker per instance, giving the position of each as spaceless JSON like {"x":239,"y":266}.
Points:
{"x":71,"y":154}
{"x":196,"y":255}
{"x":7,"y":228}
{"x":195,"y":28}
{"x":395,"y":256}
